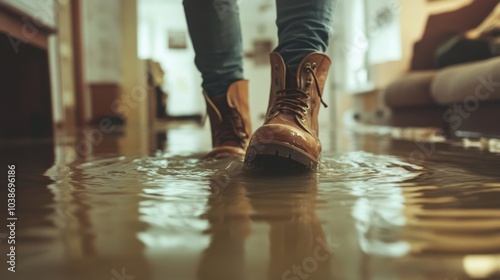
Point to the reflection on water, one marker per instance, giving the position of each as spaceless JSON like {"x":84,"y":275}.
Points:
{"x":370,"y":212}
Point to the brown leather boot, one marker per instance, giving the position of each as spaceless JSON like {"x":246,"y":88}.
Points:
{"x":229,"y":121}
{"x":290,"y":130}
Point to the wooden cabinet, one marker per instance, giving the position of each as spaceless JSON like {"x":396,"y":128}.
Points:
{"x":25,"y":109}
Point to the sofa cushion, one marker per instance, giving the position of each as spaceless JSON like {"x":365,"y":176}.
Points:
{"x":460,"y":83}
{"x":411,"y":90}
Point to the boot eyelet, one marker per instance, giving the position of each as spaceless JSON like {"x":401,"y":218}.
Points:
{"x":314,"y":66}
{"x":307,"y":107}
{"x":303,"y":119}
{"x":307,"y":66}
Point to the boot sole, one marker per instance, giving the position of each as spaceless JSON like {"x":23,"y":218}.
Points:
{"x":271,"y":154}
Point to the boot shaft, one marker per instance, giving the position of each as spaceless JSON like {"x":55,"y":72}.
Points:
{"x":310,"y":79}
{"x":229,"y":116}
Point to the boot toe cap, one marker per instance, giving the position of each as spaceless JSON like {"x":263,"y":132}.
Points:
{"x":289,"y":135}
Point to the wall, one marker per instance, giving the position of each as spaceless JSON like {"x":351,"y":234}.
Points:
{"x":64,"y":103}
{"x":182,"y":80}
{"x":133,"y":81}
{"x":101,"y":44}
{"x":102,"y":41}
{"x":115,"y":81}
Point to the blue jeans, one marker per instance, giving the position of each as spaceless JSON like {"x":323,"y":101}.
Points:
{"x":304,"y":26}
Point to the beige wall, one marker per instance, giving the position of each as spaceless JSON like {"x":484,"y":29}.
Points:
{"x":110,"y":57}
{"x":182,"y":80}
{"x":64,"y":96}
{"x":133,"y":81}
{"x":102,"y":40}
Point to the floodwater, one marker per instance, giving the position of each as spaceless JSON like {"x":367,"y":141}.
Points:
{"x":142,"y":205}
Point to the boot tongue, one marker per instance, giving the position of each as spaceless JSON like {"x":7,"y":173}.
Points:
{"x":291,"y":79}
{"x":290,"y":83}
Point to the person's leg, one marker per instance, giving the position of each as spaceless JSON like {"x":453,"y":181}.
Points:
{"x":214,"y":26}
{"x":303,"y":27}
{"x":289,"y":136}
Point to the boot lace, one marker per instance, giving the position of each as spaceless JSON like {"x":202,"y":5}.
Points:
{"x":295,"y":99}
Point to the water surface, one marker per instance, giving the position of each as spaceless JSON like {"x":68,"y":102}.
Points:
{"x":380,"y":207}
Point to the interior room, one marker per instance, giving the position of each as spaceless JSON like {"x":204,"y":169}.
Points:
{"x":193,"y":139}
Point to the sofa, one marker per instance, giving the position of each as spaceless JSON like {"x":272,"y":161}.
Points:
{"x":463,"y":100}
